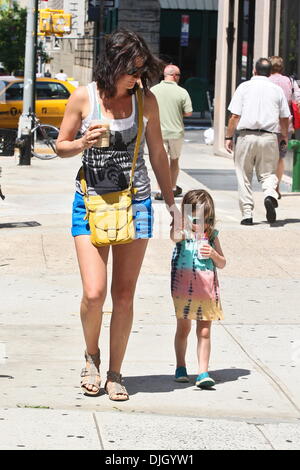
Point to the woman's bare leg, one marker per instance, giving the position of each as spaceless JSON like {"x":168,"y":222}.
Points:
{"x":127,"y":262}
{"x":92,"y":263}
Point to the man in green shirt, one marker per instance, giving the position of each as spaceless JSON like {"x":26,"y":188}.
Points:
{"x":174,"y":103}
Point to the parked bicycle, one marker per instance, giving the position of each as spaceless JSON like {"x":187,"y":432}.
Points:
{"x":43,"y":140}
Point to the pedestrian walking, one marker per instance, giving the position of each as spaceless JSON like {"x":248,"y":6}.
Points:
{"x":174,"y":103}
{"x":292,"y":93}
{"x":194,"y":286}
{"x":112,"y":95}
{"x":259,"y":113}
{"x":61,"y":76}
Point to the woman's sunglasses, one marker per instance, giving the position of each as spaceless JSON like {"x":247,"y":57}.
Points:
{"x":136,"y":70}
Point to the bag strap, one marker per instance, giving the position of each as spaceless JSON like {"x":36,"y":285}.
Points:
{"x":136,"y":149}
{"x":139,"y":135}
{"x":292,"y":80}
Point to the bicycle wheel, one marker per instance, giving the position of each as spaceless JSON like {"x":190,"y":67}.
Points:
{"x":44,"y":146}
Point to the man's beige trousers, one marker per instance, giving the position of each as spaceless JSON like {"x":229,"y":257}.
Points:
{"x":260,"y":151}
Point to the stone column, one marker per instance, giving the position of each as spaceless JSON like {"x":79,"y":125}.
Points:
{"x":262,"y":20}
{"x":221,"y":78}
{"x":142,"y":17}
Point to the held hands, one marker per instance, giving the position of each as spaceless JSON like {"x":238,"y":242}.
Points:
{"x":92,"y":135}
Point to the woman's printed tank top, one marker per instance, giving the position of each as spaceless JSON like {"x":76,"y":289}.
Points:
{"x":108,"y":169}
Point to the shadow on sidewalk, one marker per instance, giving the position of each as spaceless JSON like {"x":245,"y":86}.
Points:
{"x":282,"y":223}
{"x":166,"y":383}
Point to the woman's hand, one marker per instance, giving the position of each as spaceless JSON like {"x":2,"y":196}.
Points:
{"x":94,"y":132}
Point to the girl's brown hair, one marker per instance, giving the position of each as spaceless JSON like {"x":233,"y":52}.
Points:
{"x":202,"y":197}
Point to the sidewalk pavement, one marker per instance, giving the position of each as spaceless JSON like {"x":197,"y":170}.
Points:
{"x":255,"y":350}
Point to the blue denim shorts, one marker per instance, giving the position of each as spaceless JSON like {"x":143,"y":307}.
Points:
{"x":142,"y":217}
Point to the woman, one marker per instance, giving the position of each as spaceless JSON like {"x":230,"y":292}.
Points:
{"x":126,"y":61}
{"x":292,"y":92}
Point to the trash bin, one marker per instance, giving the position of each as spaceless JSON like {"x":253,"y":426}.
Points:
{"x":7,"y":142}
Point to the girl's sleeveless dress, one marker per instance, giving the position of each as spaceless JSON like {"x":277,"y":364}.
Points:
{"x":194,"y":285}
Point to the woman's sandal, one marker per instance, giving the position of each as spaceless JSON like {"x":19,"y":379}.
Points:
{"x":116,"y":387}
{"x":91,"y":375}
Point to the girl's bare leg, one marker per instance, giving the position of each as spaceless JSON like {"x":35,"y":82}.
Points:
{"x":180,"y":343}
{"x":204,"y":345}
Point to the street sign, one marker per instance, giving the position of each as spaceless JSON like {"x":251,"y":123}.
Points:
{"x":185,"y":30}
{"x":78,"y":16}
{"x":107,"y":3}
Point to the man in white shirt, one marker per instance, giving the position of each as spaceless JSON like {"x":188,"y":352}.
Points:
{"x":61,"y":76}
{"x":260,"y":112}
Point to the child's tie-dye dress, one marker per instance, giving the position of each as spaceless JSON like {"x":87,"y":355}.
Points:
{"x":195,"y":286}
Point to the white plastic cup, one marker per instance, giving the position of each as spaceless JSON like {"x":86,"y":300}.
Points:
{"x":201,"y":242}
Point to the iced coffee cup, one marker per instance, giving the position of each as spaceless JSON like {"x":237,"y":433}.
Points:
{"x":104,"y":139}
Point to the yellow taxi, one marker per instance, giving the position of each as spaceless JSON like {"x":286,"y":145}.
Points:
{"x":51,"y":99}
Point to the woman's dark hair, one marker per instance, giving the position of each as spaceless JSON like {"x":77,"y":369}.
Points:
{"x":277,"y":64}
{"x":122,"y":48}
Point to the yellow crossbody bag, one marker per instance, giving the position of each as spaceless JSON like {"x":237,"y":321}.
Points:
{"x":110,"y":216}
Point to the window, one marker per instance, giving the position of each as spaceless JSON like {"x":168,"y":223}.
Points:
{"x":290,"y":36}
{"x":14,"y":92}
{"x":272,"y":32}
{"x":245,"y":53}
{"x":51,"y":91}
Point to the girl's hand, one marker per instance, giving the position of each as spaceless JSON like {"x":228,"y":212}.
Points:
{"x":92,"y":135}
{"x":207,"y":251}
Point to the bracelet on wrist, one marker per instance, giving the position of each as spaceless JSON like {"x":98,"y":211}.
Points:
{"x":228,"y":138}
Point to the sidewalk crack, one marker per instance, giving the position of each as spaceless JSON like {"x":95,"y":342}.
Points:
{"x":259,"y":427}
{"x":98,"y":431}
{"x":44,"y":253}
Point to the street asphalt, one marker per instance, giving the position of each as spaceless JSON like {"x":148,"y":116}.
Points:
{"x":255,"y":357}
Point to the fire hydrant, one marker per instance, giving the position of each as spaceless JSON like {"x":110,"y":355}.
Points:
{"x":295,"y":146}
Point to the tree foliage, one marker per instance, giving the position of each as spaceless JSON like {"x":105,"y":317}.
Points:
{"x":12,"y":37}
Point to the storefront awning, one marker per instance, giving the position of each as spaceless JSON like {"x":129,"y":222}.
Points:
{"x":189,"y":4}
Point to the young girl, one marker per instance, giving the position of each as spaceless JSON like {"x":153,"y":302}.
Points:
{"x":195,"y":287}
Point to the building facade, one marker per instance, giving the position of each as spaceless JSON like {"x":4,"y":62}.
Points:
{"x":158,"y":21}
{"x":248,"y":30}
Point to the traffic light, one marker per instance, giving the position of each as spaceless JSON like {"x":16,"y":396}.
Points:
{"x":54,"y":22}
{"x":61,"y":23}
{"x":45,"y":22}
